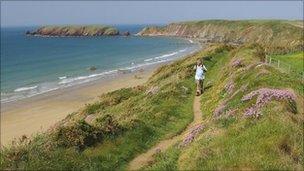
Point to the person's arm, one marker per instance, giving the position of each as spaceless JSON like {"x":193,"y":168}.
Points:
{"x":204,"y":68}
{"x":194,"y":68}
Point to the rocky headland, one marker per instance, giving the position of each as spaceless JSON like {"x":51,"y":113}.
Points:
{"x":87,"y":30}
{"x":272,"y":34}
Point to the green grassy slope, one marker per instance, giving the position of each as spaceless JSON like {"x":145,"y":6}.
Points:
{"x":110,"y":132}
{"x":232,"y":140}
{"x":124,"y":123}
{"x":295,"y":60}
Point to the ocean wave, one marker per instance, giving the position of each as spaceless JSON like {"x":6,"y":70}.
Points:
{"x":149,"y":59}
{"x":145,"y":64}
{"x":63,"y":77}
{"x":70,"y":80}
{"x":13,"y":97}
{"x":67,"y":81}
{"x":25,"y":88}
{"x":183,"y":50}
{"x":165,"y":55}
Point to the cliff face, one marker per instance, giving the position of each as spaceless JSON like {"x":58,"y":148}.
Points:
{"x":273,"y":34}
{"x":90,"y":30}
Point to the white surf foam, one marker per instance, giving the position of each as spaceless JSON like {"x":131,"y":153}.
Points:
{"x":166,"y":55}
{"x":66,"y":81}
{"x":25,"y":88}
{"x":183,"y":50}
{"x":63,"y":77}
{"x":149,"y":59}
{"x":70,"y":80}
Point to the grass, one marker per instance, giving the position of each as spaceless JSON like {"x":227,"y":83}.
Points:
{"x":126,"y":122}
{"x":273,"y":141}
{"x":295,"y":60}
{"x":276,"y":36}
{"x":129,"y":121}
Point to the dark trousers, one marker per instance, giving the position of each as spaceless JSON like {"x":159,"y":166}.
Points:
{"x":199,"y":86}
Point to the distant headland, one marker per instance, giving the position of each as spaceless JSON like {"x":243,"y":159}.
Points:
{"x":75,"y":30}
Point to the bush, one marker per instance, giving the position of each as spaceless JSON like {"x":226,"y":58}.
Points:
{"x":108,"y":125}
{"x":78,"y":135}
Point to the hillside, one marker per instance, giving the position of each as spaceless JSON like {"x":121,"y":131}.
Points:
{"x":252,"y":117}
{"x":237,"y":132}
{"x":275,"y":35}
{"x":74,"y":30}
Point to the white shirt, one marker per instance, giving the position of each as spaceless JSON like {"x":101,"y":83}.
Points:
{"x":199,"y":74}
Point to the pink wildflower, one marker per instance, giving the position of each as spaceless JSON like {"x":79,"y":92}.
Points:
{"x":219,"y":110}
{"x":193,"y":133}
{"x":229,"y":87}
{"x":265,"y":95}
{"x":236,"y":63}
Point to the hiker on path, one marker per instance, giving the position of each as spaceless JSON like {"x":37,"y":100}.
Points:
{"x":199,"y":76}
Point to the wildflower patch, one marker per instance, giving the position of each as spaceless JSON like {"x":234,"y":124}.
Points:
{"x":191,"y":135}
{"x":229,"y":87}
{"x":237,"y":63}
{"x":264,"y":96}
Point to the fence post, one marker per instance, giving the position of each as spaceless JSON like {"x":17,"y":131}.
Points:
{"x":278,"y":63}
{"x":270,"y":60}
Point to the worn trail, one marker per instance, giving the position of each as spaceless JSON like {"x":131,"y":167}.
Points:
{"x":147,"y":158}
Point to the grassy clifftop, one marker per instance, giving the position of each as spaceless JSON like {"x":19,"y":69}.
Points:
{"x":75,"y":30}
{"x":274,"y":35}
{"x":253,"y":118}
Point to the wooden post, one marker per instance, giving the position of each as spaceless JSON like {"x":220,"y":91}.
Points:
{"x":278,"y":63}
{"x":270,"y":60}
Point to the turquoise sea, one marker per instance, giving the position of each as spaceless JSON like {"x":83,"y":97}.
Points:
{"x":33,"y":65}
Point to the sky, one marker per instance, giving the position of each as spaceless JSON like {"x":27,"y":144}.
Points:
{"x":30,"y":13}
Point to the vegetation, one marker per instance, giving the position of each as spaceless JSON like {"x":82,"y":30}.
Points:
{"x":109,"y":133}
{"x":75,"y":30}
{"x":234,"y":140}
{"x":295,"y":60}
{"x":252,"y":116}
{"x":275,"y":36}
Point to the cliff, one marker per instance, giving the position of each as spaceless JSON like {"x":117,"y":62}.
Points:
{"x":89,"y":30}
{"x":272,"y":34}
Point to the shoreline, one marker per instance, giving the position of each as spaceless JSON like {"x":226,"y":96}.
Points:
{"x":38,"y":113}
{"x":24,"y":92}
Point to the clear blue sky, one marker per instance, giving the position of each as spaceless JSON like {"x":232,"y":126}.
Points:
{"x":26,"y":13}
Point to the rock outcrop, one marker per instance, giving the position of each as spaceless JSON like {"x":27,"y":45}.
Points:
{"x":126,"y":33}
{"x":89,"y":30}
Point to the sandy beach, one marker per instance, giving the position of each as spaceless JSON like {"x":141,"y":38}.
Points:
{"x":36,"y":114}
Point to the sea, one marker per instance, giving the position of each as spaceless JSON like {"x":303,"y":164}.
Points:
{"x":32,"y":65}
